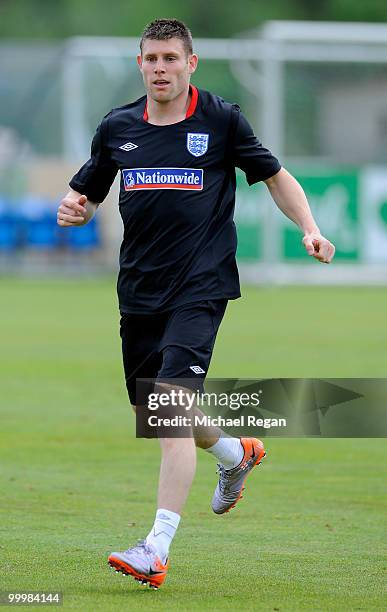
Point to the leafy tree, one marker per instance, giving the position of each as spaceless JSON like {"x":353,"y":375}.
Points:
{"x":44,"y":19}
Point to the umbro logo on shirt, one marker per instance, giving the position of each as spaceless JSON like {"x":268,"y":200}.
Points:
{"x":129,"y":146}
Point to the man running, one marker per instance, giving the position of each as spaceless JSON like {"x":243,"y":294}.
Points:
{"x":176,"y":149}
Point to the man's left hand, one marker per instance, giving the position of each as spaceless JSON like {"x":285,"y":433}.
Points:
{"x":319,"y":247}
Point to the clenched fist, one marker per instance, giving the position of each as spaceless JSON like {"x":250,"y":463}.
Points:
{"x":319,"y":247}
{"x":72,"y":210}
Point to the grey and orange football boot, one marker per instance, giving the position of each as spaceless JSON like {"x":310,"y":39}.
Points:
{"x":231,"y":482}
{"x":141,"y":562}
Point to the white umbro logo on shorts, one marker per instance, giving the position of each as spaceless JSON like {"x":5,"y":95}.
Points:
{"x":197,"y":369}
{"x":129,"y":146}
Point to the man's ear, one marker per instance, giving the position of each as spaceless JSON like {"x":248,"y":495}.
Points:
{"x":192,"y":63}
{"x":139,"y":61}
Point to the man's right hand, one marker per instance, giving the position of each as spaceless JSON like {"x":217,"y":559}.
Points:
{"x":72,"y":210}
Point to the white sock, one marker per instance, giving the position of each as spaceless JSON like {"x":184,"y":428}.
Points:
{"x":229,"y":451}
{"x":163,"y":531}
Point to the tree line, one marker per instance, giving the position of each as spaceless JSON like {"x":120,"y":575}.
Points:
{"x":57,"y":19}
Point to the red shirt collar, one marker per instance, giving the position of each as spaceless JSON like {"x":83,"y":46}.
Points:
{"x":190,"y":110}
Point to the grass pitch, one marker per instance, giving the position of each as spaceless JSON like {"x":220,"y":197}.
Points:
{"x":76,"y":484}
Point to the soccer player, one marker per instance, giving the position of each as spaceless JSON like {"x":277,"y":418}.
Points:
{"x":176,"y":149}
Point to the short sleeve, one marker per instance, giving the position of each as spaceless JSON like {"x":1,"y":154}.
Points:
{"x":96,"y":176}
{"x":248,"y":154}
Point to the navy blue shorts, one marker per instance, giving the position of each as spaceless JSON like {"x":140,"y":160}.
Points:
{"x":170,"y":345}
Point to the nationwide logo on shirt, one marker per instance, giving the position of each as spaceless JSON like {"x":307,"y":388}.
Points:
{"x":163,"y":178}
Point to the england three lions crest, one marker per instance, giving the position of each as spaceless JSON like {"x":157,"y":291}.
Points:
{"x":197,"y":144}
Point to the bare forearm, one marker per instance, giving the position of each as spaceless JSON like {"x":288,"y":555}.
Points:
{"x":291,"y":200}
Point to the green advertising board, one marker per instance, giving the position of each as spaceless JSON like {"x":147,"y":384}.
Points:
{"x":334,"y":197}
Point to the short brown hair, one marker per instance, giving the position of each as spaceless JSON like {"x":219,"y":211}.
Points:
{"x":164,"y":29}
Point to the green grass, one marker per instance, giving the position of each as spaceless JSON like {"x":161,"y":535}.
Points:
{"x":76,"y":484}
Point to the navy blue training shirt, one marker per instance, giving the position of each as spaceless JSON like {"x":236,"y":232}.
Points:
{"x":177,"y":198}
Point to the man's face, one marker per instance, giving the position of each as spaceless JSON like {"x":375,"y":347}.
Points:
{"x":166,"y":68}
